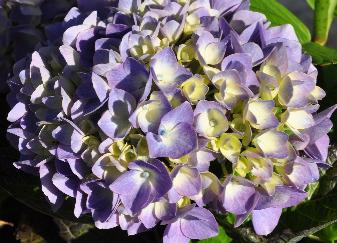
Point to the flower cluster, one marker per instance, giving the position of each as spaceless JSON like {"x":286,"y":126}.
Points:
{"x":167,"y":111}
{"x":21,"y":29}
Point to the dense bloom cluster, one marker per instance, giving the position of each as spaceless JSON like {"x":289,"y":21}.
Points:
{"x":21,"y":29}
{"x":167,"y":111}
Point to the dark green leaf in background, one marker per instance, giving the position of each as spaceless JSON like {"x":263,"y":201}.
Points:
{"x":277,"y":14}
{"x":321,"y":55}
{"x":329,"y":233}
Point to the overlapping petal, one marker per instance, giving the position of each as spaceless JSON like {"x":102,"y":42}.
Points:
{"x":167,"y":72}
{"x":115,"y":122}
{"x":176,"y":136}
{"x":148,"y":181}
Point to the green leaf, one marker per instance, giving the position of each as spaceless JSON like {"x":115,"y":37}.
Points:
{"x":311,"y":3}
{"x":277,"y":14}
{"x":329,"y":233}
{"x":324,"y":14}
{"x":290,"y":237}
{"x":244,"y":233}
{"x":221,"y":238}
{"x":321,"y":55}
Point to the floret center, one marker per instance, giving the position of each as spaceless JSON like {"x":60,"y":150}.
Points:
{"x":145,"y":174}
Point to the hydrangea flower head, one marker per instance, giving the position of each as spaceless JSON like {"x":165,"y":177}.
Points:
{"x":129,"y":113}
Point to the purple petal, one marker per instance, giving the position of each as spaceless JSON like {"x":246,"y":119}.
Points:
{"x":232,"y":61}
{"x":210,"y":50}
{"x":283,"y":197}
{"x":272,"y":143}
{"x":158,"y":175}
{"x":100,"y":86}
{"x":164,"y":210}
{"x":319,"y":149}
{"x":80,"y":204}
{"x":260,"y":114}
{"x":111,"y":128}
{"x":115,"y":122}
{"x":317,"y":131}
{"x":199,"y":223}
{"x":282,"y":32}
{"x":132,"y":77}
{"x":17,"y":112}
{"x":162,"y":182}
{"x":54,"y":196}
{"x":326,"y":114}
{"x":210,"y":119}
{"x":265,"y":220}
{"x":70,"y":35}
{"x":70,"y":55}
{"x":78,"y":167}
{"x":121,"y":103}
{"x":238,"y":195}
{"x":134,"y":189}
{"x":102,"y":203}
{"x":64,"y":152}
{"x":303,"y":173}
{"x":166,"y":71}
{"x":149,"y":114}
{"x":173,"y":234}
{"x":186,"y":180}
{"x":239,"y":219}
{"x":147,"y":216}
{"x":103,"y":61}
{"x":182,"y":113}
{"x":67,"y":135}
{"x":66,"y":185}
{"x":211,"y":189}
{"x":173,"y":143}
{"x":128,"y":6}
{"x":244,"y":18}
{"x":295,"y":89}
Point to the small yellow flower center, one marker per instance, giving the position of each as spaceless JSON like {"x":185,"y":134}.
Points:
{"x":212,"y":123}
{"x":145,"y":174}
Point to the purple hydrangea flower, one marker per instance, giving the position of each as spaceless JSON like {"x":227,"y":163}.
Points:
{"x":131,"y":105}
{"x":147,"y":182}
{"x":176,"y":135}
{"x":191,"y":223}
